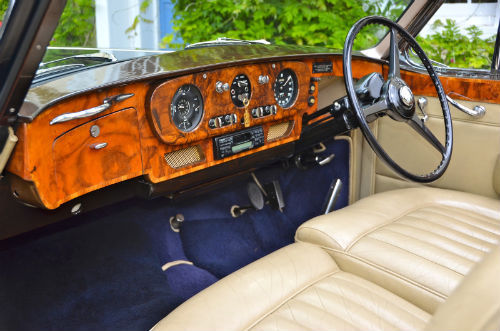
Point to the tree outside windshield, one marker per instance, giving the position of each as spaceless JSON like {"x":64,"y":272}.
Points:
{"x":172,"y":24}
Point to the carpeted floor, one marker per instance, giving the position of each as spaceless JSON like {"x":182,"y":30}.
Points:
{"x":105,"y":273}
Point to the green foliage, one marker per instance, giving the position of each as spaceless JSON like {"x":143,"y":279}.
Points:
{"x":4,"y":5}
{"x":449,"y":46}
{"x":300,"y":22}
{"x":139,"y":18}
{"x":77,"y":25}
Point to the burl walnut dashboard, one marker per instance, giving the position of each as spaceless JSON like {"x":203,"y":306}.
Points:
{"x":160,"y":129}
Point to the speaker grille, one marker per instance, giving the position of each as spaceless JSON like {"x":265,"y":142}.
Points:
{"x":280,"y":130}
{"x":184,"y":157}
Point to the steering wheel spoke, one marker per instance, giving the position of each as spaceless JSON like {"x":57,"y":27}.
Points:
{"x":394,"y":70}
{"x":418,"y":125}
{"x":376,"y":108}
{"x":399,"y":99}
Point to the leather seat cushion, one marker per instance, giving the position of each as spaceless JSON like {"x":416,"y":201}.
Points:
{"x":298,"y":287}
{"x":418,"y":243}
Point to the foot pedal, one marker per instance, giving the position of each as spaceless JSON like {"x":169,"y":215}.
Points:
{"x":275,"y":195}
{"x":259,"y":195}
{"x":256,"y":198}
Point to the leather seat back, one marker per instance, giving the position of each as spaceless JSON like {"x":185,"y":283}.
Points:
{"x":475,"y":304}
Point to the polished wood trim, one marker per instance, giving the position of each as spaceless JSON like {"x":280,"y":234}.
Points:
{"x":218,"y":104}
{"x":472,"y":89}
{"x":61,"y":174}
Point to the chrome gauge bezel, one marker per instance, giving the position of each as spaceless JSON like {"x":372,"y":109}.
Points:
{"x":290,"y":100}
{"x":191,"y":95}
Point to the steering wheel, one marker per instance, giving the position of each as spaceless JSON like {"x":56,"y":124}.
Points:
{"x":396,"y":100}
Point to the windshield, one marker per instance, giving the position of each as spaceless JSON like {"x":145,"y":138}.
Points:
{"x":124,"y":29}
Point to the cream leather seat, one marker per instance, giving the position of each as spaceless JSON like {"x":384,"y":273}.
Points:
{"x":400,"y":260}
{"x":300,"y":287}
{"x":418,"y":243}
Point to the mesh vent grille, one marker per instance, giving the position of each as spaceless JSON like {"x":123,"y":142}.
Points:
{"x":280,"y":130}
{"x":184,"y":157}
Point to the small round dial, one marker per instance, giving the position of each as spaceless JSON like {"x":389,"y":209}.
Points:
{"x":286,"y":88}
{"x":187,"y":108}
{"x":241,"y":90}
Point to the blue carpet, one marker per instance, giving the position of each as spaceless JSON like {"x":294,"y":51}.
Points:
{"x":216,"y":242}
{"x":105,"y":272}
{"x":101,"y":275}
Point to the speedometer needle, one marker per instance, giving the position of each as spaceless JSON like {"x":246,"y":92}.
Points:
{"x":286,"y":82}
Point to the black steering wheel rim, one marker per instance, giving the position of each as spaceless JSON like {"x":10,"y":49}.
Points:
{"x":445,"y":150}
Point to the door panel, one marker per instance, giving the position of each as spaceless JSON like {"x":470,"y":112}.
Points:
{"x":475,"y":151}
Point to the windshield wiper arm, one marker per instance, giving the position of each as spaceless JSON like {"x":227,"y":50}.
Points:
{"x":223,"y":41}
{"x":52,"y":68}
{"x":41,"y":73}
{"x":95,"y":57}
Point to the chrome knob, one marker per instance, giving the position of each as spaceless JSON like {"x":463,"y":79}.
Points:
{"x":220,"y":87}
{"x":263,"y":79}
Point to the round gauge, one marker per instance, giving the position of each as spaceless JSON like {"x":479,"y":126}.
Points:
{"x":286,"y":88}
{"x":241,"y":90}
{"x":187,"y":108}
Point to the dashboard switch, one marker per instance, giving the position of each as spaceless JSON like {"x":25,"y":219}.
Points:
{"x":219,"y":122}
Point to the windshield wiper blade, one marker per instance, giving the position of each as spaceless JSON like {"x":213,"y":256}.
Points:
{"x":75,"y":62}
{"x":223,"y":41}
{"x":100,"y":57}
{"x":41,"y":73}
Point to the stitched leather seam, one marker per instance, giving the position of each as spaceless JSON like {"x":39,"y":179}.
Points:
{"x":284,"y":301}
{"x":392,"y":220}
{"x":325,"y":311}
{"x":446,"y":238}
{"x":450,"y":229}
{"x":372,"y":294}
{"x":481,"y":245}
{"x":460,"y":220}
{"x":396,"y":275}
{"x":432,"y":245}
{"x":317,"y":230}
{"x":386,"y":300}
{"x":422,"y":257}
{"x":471,"y":214}
{"x":293,"y":319}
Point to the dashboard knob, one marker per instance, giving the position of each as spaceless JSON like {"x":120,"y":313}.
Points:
{"x":220,"y":87}
{"x":263,"y":79}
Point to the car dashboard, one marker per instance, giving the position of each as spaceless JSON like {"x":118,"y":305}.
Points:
{"x":168,"y":127}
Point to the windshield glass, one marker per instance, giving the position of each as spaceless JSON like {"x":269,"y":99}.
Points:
{"x":118,"y":30}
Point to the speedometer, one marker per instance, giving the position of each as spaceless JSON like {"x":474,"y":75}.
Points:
{"x":286,"y":88}
{"x":187,"y":108}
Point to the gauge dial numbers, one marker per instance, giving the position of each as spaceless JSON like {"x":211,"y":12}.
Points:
{"x":187,"y":108}
{"x":286,"y":88}
{"x":241,"y":90}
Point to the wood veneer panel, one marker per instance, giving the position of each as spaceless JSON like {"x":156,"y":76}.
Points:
{"x":483,"y":90}
{"x":80,"y":168}
{"x":218,"y":104}
{"x":56,"y":176}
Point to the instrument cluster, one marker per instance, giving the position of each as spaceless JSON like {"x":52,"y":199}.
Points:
{"x":187,"y":106}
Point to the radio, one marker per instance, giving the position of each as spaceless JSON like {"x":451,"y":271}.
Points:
{"x":237,"y":142}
